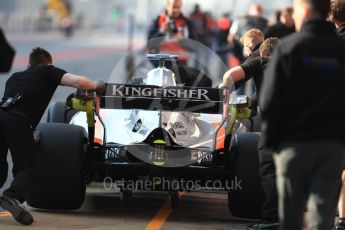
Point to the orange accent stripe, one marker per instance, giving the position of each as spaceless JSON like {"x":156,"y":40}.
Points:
{"x":221,"y":134}
{"x":98,"y":140}
{"x":99,"y":128}
{"x":221,"y":138}
{"x":5,"y":214}
{"x":160,"y":218}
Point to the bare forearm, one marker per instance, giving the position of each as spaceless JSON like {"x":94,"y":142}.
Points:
{"x":86,"y":84}
{"x":79,"y":82}
{"x":233,"y":75}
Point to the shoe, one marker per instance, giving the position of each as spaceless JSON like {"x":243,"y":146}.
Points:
{"x":19,"y":213}
{"x":263,"y":226}
{"x":340,"y":225}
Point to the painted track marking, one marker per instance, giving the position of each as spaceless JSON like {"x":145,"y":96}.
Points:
{"x":3,"y":214}
{"x":160,"y":218}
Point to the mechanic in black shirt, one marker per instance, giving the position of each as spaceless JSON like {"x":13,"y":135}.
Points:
{"x":254,"y":68}
{"x":32,"y":90}
{"x":251,"y":40}
{"x":6,"y":54}
{"x":285,"y":26}
{"x":267,"y":170}
{"x":337,"y":16}
{"x":303,"y":117}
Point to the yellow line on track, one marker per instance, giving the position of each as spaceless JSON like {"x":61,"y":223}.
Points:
{"x":5,"y":214}
{"x":160,"y":218}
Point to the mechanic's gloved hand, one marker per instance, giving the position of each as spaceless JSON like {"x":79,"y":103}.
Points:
{"x":100,"y":86}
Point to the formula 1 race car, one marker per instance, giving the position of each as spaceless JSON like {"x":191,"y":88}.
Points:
{"x":154,"y":130}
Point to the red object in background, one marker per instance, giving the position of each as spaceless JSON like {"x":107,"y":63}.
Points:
{"x":174,"y":48}
{"x":224,"y":23}
{"x":210,"y":23}
{"x":233,"y":61}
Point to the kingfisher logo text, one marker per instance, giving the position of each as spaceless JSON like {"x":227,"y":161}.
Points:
{"x":157,"y":92}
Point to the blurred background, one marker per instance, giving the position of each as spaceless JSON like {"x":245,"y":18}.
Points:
{"x":110,"y":16}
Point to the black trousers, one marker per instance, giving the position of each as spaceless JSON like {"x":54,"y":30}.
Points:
{"x":309,"y":173}
{"x":16,"y":135}
{"x":268,"y":178}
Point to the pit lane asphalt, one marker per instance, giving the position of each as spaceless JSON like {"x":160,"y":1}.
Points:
{"x":103,"y":209}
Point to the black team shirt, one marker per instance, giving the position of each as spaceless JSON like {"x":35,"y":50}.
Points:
{"x":37,"y":84}
{"x":254,"y":67}
{"x":301,"y":98}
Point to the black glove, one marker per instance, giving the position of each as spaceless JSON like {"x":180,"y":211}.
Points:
{"x":100,"y":86}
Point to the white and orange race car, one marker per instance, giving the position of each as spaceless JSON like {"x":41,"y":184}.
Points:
{"x":156,"y":135}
